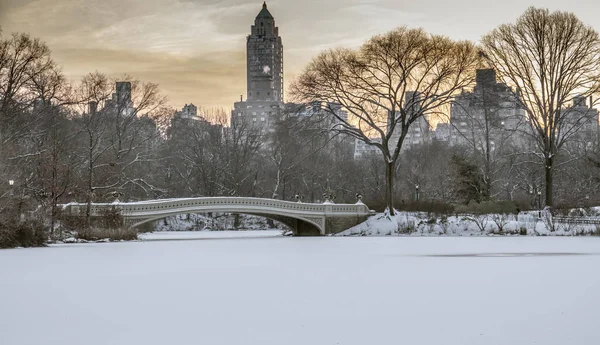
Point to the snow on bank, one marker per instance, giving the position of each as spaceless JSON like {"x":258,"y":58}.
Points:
{"x":190,"y":235}
{"x":419,"y":224}
{"x":298,"y":291}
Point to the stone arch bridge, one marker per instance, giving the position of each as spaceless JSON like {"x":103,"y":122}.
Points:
{"x":305,"y":219}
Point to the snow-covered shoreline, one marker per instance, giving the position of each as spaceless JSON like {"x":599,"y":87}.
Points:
{"x":419,"y":224}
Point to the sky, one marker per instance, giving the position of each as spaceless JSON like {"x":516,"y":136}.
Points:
{"x":195,"y":49}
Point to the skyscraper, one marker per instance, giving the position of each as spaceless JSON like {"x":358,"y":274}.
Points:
{"x":264,"y":54}
{"x":264,"y":73}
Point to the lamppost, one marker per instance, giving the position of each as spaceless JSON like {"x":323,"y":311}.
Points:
{"x":417,"y":192}
{"x":358,"y":198}
{"x":11,"y":183}
{"x":587,"y":201}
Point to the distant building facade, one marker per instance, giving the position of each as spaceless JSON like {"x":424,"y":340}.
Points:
{"x":363,"y":150}
{"x":189,"y":111}
{"x":121,"y":101}
{"x":419,"y":131}
{"x":491,"y":112}
{"x":581,"y":123}
{"x":328,"y":113}
{"x":443,"y":132}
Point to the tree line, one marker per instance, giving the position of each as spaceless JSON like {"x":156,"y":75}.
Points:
{"x":102,"y":138}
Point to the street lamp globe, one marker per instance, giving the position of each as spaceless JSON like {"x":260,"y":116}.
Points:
{"x":11,"y":182}
{"x":417,"y":192}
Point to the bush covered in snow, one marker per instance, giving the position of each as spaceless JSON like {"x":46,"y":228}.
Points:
{"x":473,"y":224}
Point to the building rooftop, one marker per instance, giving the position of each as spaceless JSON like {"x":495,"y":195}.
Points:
{"x":264,"y":13}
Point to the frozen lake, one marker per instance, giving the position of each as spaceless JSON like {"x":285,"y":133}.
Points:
{"x":300,"y":291}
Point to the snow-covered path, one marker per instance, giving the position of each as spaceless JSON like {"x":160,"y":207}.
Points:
{"x":298,"y":291}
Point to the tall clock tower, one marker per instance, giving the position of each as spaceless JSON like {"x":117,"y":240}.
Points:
{"x":264,"y":76}
{"x":264,"y":54}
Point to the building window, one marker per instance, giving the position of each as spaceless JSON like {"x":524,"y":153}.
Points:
{"x":262,"y":118}
{"x":254,"y":113}
{"x":254,"y":119}
{"x":239,"y":114}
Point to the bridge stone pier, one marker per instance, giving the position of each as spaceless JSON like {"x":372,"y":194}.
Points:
{"x":304,"y":219}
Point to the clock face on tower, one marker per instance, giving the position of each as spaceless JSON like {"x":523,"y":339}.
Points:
{"x":266,"y":69}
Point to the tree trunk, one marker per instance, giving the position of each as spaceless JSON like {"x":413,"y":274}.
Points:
{"x":549,"y":170}
{"x":389,"y":187}
{"x":90,"y":182}
{"x":277,"y":183}
{"x":52,"y":212}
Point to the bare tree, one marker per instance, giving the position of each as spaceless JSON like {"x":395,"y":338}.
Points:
{"x":195,"y":157}
{"x":552,"y":59}
{"x":92,"y":126}
{"x":386,"y":85}
{"x":117,"y":134}
{"x":487,"y":121}
{"x":241,"y":145}
{"x":299,"y":134}
{"x":428,"y":166}
{"x":24,"y":61}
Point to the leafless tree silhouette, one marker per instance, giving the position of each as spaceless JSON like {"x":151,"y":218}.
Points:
{"x":551,"y":58}
{"x":386,"y":85}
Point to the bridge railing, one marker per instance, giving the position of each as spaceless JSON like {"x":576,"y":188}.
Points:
{"x":156,"y":206}
{"x":577,"y":220}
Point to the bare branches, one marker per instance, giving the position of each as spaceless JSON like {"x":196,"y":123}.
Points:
{"x":22,"y":60}
{"x":552,"y":59}
{"x":387,"y":84}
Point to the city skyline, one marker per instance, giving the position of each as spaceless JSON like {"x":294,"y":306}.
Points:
{"x":195,"y":50}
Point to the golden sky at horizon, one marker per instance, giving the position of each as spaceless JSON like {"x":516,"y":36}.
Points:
{"x":195,"y":49}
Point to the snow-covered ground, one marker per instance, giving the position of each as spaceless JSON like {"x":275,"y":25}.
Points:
{"x":191,"y":235}
{"x":420,"y":224}
{"x":298,"y":291}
